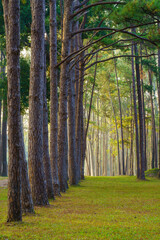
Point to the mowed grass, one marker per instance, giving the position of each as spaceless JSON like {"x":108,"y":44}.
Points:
{"x":99,"y":208}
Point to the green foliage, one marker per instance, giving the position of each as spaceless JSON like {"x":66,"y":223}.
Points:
{"x":152,"y":172}
{"x":112,"y":208}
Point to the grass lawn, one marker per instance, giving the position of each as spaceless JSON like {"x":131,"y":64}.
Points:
{"x":100,"y":208}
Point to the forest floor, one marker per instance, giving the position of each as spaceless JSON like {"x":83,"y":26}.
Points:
{"x":99,"y":208}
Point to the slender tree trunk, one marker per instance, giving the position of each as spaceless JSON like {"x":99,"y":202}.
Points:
{"x":154,"y":142}
{"x":120,"y":110}
{"x":54,"y":99}
{"x":141,"y":128}
{"x":63,"y":96}
{"x":115,"y":119}
{"x":12,"y":28}
{"x":132,"y":136}
{"x":35,"y":146}
{"x":46,"y":157}
{"x":135,"y":115}
{"x":143,"y":108}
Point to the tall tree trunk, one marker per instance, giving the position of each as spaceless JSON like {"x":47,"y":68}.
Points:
{"x":54,"y":99}
{"x":63,"y":96}
{"x":141,"y":127}
{"x":12,"y":28}
{"x":35,"y":146}
{"x":26,"y":197}
{"x":143,"y":108}
{"x":135,"y":116}
{"x":46,"y":157}
{"x":4,"y":139}
{"x":73,"y":171}
{"x":120,"y":111}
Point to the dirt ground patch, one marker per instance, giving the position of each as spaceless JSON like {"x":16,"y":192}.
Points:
{"x":3,"y":183}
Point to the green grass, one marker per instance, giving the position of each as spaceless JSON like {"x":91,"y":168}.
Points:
{"x":100,"y":208}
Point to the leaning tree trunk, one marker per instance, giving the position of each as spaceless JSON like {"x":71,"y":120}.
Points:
{"x":12,"y":28}
{"x":63,"y":96}
{"x":35,"y":146}
{"x":46,"y":157}
{"x":54,"y":99}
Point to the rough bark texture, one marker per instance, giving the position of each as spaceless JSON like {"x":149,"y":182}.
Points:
{"x":73,"y":177}
{"x":35,"y":147}
{"x":27,"y":202}
{"x":53,"y":99}
{"x":63,"y":97}
{"x":12,"y":27}
{"x":46,"y":157}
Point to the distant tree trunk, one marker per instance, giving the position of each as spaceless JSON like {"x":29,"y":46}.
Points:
{"x":62,"y":150}
{"x":26,"y":198}
{"x":120,"y":111}
{"x":154,"y":140}
{"x":135,"y":115}
{"x":46,"y":157}
{"x":12,"y":29}
{"x":4,"y":139}
{"x":143,"y":108}
{"x":132,"y":136}
{"x":141,"y":127}
{"x":54,"y":99}
{"x":35,"y":146}
{"x":117,"y":134}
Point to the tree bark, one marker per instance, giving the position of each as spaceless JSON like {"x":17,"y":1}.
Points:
{"x":120,"y":111}
{"x":12,"y":28}
{"x":35,"y":146}
{"x":54,"y":99}
{"x":73,"y":170}
{"x":46,"y":157}
{"x":135,"y":116}
{"x":62,"y":150}
{"x":141,"y":127}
